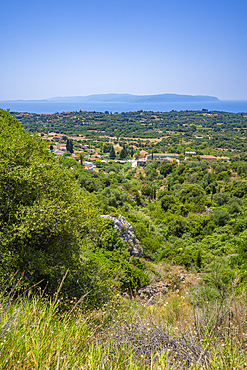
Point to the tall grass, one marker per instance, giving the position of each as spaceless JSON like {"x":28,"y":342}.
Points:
{"x":39,"y":334}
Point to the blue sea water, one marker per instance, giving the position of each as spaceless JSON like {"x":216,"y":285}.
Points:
{"x":234,"y":106}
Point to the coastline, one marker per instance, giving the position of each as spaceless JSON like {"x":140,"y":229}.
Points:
{"x":46,"y":107}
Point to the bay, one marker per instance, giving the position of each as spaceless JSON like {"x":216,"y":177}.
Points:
{"x":46,"y":107}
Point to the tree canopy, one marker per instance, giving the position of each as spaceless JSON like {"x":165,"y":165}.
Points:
{"x":42,"y":210}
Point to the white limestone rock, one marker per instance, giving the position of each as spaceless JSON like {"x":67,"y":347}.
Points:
{"x":125,"y":230}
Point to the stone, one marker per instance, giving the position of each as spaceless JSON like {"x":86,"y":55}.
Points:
{"x":125,"y":230}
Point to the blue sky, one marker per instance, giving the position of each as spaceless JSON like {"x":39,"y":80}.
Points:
{"x":65,"y":48}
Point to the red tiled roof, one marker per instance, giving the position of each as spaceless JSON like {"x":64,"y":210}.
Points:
{"x":166,"y":154}
{"x":143,"y":153}
{"x":208,"y":156}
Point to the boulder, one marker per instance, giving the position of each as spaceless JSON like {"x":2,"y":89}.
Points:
{"x":125,"y":230}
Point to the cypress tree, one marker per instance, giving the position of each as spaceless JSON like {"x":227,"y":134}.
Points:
{"x":69,"y":145}
{"x":123,"y":153}
{"x":112,"y":153}
{"x":199,"y":259}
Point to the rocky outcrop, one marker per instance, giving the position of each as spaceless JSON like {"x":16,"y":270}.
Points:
{"x":152,"y":292}
{"x":126,"y":232}
{"x":208,"y":210}
{"x":157,"y":289}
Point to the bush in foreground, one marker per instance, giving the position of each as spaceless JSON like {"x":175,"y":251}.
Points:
{"x":48,"y":224}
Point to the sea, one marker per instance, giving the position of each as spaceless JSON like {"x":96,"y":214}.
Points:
{"x":46,"y":107}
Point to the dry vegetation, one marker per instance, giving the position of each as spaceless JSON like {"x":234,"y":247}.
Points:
{"x":174,"y":333}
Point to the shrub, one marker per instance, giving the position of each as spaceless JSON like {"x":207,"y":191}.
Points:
{"x":177,"y":254}
{"x":220,"y":217}
{"x":42,"y":209}
{"x":193,"y":194}
{"x":167,"y":168}
{"x":199,"y":259}
{"x":148,"y":190}
{"x":221,"y":198}
{"x":167,"y":201}
{"x":234,"y":208}
{"x":48,"y":225}
{"x":111,"y":169}
{"x":178,"y":227}
{"x":115,"y":197}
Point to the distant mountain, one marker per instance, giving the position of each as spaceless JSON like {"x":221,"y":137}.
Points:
{"x":123,"y":98}
{"x":129,"y":98}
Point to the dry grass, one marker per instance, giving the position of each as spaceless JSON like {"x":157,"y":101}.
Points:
{"x":210,"y":337}
{"x":124,"y":334}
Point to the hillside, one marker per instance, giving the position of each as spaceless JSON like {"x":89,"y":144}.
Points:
{"x":179,"y":208}
{"x":49,"y":224}
{"x":153,"y":251}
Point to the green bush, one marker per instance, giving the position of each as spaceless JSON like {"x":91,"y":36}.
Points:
{"x":167,"y":168}
{"x":110,"y":168}
{"x":167,"y":201}
{"x":220,"y":217}
{"x":117,"y":269}
{"x":221,"y":198}
{"x":42,"y":209}
{"x":147,"y":190}
{"x":49,"y":225}
{"x":193,"y":194}
{"x":177,"y":254}
{"x":178,"y":227}
{"x":115,"y":197}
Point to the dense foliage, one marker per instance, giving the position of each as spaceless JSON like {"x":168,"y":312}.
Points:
{"x":167,"y":203}
{"x":189,"y":215}
{"x":48,"y":224}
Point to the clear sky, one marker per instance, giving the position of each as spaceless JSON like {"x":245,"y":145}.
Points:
{"x":81,"y":47}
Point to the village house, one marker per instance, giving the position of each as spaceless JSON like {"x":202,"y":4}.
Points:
{"x":62,"y":147}
{"x":190,"y":154}
{"x":163,"y":156}
{"x":58,"y":152}
{"x":87,"y":165}
{"x":95,"y":157}
{"x":57,"y":137}
{"x":143,"y":154}
{"x":208,"y":157}
{"x":138,"y":162}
